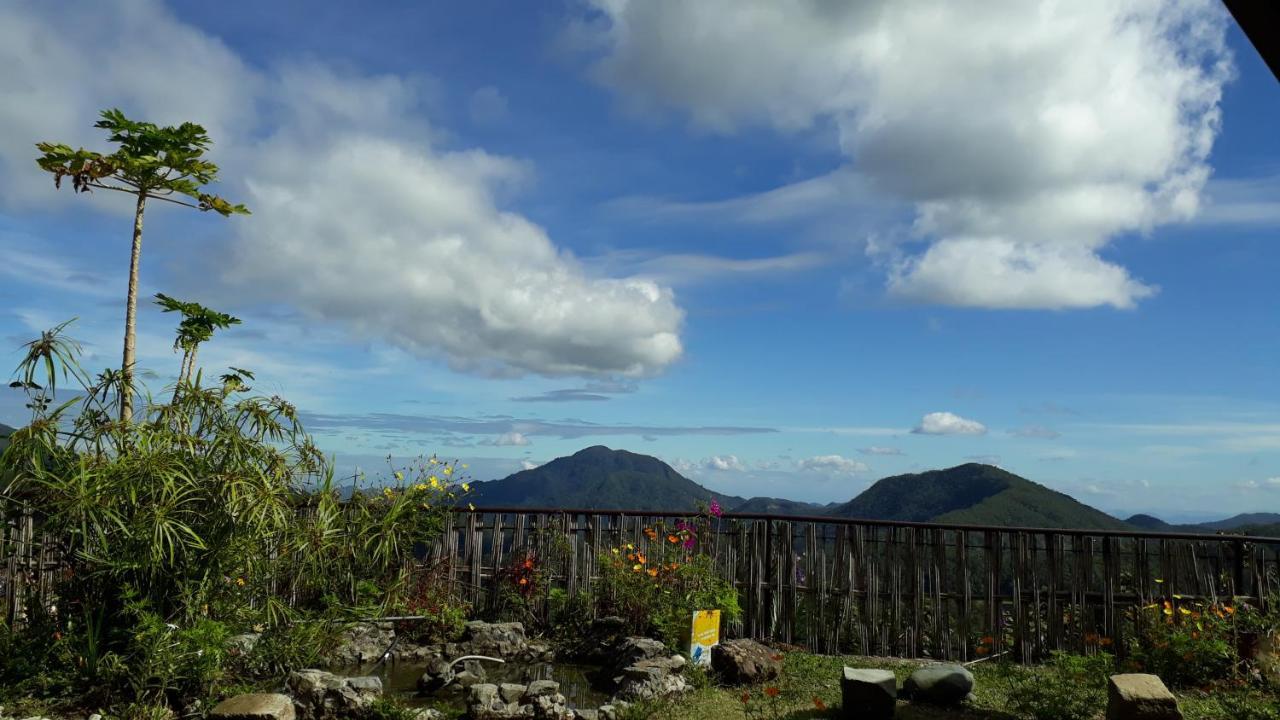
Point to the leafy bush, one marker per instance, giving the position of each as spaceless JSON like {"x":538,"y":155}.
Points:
{"x":1185,"y":643}
{"x":181,"y":526}
{"x":656,"y":588}
{"x":1069,"y":687}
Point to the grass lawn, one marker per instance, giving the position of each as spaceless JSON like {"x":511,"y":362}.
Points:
{"x":806,"y":677}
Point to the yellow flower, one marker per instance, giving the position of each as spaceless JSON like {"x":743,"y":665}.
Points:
{"x":637,"y":567}
{"x":448,"y":471}
{"x":435,"y":481}
{"x":464,"y":466}
{"x":473,"y":507}
{"x":240,"y":582}
{"x":387,"y":492}
{"x":399,"y":475}
{"x":630,"y":546}
{"x":616,"y":551}
{"x":420,"y":487}
{"x":466,"y":487}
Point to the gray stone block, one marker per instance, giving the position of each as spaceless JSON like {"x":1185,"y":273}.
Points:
{"x":868,"y":694}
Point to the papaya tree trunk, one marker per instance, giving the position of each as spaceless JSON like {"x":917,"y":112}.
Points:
{"x":130,"y":315}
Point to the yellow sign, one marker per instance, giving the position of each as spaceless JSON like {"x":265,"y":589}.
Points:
{"x":705,"y":635}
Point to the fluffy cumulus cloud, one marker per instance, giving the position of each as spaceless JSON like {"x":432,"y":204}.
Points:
{"x":1028,"y":137}
{"x":361,"y":216}
{"x":511,"y":439}
{"x":945,"y":423}
{"x":832,"y":464}
{"x":723,"y":463}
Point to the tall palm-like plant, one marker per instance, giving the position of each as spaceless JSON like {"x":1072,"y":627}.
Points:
{"x":197,"y":326}
{"x":164,"y":163}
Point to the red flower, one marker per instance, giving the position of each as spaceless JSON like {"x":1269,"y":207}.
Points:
{"x":771,"y":691}
{"x":746,"y":697}
{"x":817,"y":702}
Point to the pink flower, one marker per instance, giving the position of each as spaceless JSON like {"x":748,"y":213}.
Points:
{"x":715,"y":508}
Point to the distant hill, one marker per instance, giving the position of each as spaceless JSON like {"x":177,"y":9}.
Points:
{"x":1147,"y":522}
{"x":602,"y":479}
{"x":973,"y":494}
{"x":1261,"y":524}
{"x":780,"y":506}
{"x":5,"y":432}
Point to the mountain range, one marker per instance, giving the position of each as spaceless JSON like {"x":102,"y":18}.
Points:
{"x":601,"y":478}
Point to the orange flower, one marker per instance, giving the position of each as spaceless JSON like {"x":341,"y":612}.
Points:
{"x":746,"y":697}
{"x":776,"y":658}
{"x":982,"y":650}
{"x":1104,"y":642}
{"x":650,"y":533}
{"x":631,"y":557}
{"x":817,"y":702}
{"x":673,"y":566}
{"x":771,"y":691}
{"x":524,"y":581}
{"x":673,"y":539}
{"x":987,"y":640}
{"x":1230,"y":610}
{"x":640,"y":558}
{"x":653,"y":572}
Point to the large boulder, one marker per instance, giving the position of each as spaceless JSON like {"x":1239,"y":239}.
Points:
{"x":320,"y":695}
{"x":940,"y":684}
{"x":1138,"y":696}
{"x":868,"y":694}
{"x":254,"y":706}
{"x":363,"y":642}
{"x":745,"y":662}
{"x":540,"y":700}
{"x":501,"y":640}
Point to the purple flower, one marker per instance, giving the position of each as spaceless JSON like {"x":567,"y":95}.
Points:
{"x":715,"y":508}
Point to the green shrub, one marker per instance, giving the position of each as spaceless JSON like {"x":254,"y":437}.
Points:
{"x":1185,"y":643}
{"x":656,"y":588}
{"x":1069,"y":687}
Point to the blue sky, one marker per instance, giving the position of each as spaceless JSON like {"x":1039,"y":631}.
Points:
{"x":789,"y":250}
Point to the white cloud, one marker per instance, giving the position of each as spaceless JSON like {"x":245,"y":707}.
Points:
{"x":723,"y":463}
{"x":833,"y":464}
{"x":511,"y":439}
{"x":880,"y":450}
{"x":528,"y":464}
{"x":360,"y":217}
{"x":945,"y":423}
{"x":1272,"y":483}
{"x":1027,"y":137}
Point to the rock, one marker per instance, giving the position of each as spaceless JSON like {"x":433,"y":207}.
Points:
{"x":868,"y":694}
{"x":363,"y":642}
{"x":428,"y":714}
{"x":466,"y":679}
{"x":511,"y":692}
{"x":244,"y":643}
{"x":586,"y":714}
{"x":1140,"y":697}
{"x":482,"y":694}
{"x":744,"y":662}
{"x":503,"y":640}
{"x":940,"y":684}
{"x":321,"y":695}
{"x":647,"y":683}
{"x":255,"y":706}
{"x":538,"y":688}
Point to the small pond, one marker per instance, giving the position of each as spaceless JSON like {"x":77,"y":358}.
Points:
{"x":401,"y":679}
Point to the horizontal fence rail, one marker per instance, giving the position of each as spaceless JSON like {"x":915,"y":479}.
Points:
{"x":835,"y":585}
{"x":891,"y":588}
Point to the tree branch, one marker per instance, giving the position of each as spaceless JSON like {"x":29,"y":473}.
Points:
{"x":149,"y":194}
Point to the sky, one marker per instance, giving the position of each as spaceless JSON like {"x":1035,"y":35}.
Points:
{"x":788,"y":247}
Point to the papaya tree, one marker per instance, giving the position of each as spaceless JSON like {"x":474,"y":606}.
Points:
{"x":151,"y":163}
{"x":197,"y":326}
